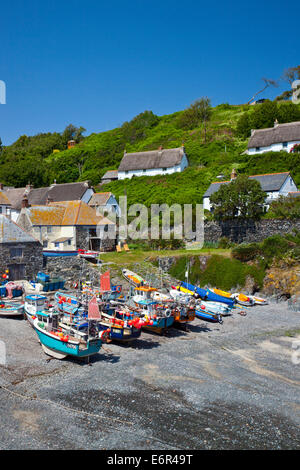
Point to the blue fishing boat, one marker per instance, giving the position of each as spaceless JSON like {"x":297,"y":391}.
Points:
{"x":205,"y":315}
{"x":156,"y":318}
{"x":59,"y":343}
{"x":205,"y":294}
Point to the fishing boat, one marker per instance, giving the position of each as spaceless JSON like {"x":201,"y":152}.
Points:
{"x":214,"y":307}
{"x":88,"y":254}
{"x":183,"y":314}
{"x":59,"y":343}
{"x":204,"y":314}
{"x":156,"y":317}
{"x":160,"y":297}
{"x":133,"y":278}
{"x":205,"y":294}
{"x":11,"y":309}
{"x":34,"y":303}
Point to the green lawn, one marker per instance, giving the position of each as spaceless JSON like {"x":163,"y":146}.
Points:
{"x":136,"y":256}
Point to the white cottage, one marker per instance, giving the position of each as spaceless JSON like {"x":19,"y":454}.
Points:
{"x":274,"y":139}
{"x":274,"y":185}
{"x":152,"y":163}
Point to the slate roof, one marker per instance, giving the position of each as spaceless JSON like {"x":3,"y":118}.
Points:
{"x":64,"y":214}
{"x":10,"y":232}
{"x":164,"y":158}
{"x":111,"y":174}
{"x":288,"y":132}
{"x":38,"y":196}
{"x":269,"y":182}
{"x":99,"y":199}
{"x":4,"y":199}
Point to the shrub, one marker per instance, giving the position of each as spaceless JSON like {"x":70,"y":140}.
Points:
{"x":246,"y":252}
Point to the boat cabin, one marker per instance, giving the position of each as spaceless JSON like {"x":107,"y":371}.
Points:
{"x":35,"y":303}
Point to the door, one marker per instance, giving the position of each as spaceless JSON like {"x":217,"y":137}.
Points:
{"x":16,"y":272}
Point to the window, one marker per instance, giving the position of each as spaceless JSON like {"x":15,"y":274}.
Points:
{"x":164,"y":169}
{"x":56,"y":244}
{"x":45,"y":244}
{"x":16,"y":252}
{"x":284,"y":145}
{"x":0,"y":209}
{"x":49,"y":229}
{"x":144,"y":171}
{"x":257,"y":149}
{"x":69,"y":242}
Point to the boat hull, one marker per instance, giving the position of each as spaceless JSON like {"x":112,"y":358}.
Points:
{"x":160,"y":325}
{"x":204,"y":315}
{"x":68,"y":348}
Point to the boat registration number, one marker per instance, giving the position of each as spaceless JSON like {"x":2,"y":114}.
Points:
{"x":115,"y":330}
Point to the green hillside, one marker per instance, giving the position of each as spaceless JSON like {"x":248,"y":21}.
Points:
{"x":31,"y":159}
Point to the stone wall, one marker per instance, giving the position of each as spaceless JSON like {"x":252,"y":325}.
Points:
{"x":32,"y":258}
{"x":71,"y":269}
{"x":83,"y":237}
{"x":248,"y":231}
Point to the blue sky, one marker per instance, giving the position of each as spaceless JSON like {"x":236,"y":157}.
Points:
{"x":98,"y":64}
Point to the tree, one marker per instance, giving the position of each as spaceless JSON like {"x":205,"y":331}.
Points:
{"x":268,"y":82}
{"x":73,"y":133}
{"x":291,"y":74}
{"x":197,"y":113}
{"x":242,"y":197}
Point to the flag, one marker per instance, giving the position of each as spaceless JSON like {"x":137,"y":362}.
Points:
{"x":105,"y":282}
{"x":94,"y":313}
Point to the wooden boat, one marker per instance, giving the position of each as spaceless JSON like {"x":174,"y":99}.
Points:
{"x":133,"y":278}
{"x":11,"y":309}
{"x":183,"y":314}
{"x":59,"y":343}
{"x":75,"y":312}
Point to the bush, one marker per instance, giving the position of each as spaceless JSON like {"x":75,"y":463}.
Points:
{"x":246,"y":252}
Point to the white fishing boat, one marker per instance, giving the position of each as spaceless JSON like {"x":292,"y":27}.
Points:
{"x":11,"y":309}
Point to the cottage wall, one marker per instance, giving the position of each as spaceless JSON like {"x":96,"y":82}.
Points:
{"x":31,"y":259}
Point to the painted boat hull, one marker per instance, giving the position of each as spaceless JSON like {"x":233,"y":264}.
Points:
{"x":10,"y":310}
{"x":54,"y":345}
{"x":205,"y":315}
{"x":160,"y":325}
{"x":206,"y":294}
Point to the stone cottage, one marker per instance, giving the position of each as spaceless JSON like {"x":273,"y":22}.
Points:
{"x":67,"y":226}
{"x":20,"y":252}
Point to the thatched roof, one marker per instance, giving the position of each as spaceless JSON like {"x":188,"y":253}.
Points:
{"x":288,"y":132}
{"x":153,"y":159}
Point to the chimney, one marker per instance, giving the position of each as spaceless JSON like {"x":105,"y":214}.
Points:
{"x":1,"y":186}
{"x":160,"y":147}
{"x":276,"y":123}
{"x":252,"y":131}
{"x":49,"y":199}
{"x":25,"y":202}
{"x":29,"y":187}
{"x":233,"y":174}
{"x":71,"y":144}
